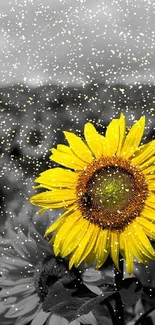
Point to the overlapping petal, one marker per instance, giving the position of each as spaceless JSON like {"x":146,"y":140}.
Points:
{"x":148,"y":226}
{"x":126,"y":252}
{"x":133,"y":138}
{"x":86,"y":245}
{"x":102,"y":247}
{"x":73,"y":238}
{"x":64,"y":156}
{"x":54,"y":199}
{"x":67,"y":227}
{"x":114,"y":247}
{"x":144,"y":153}
{"x":115,"y":136}
{"x":57,"y":178}
{"x":134,"y":245}
{"x":79,"y":148}
{"x":96,"y":142}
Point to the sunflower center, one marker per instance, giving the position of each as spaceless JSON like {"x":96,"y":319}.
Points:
{"x":111,"y":192}
{"x":47,"y":272}
{"x":111,"y":188}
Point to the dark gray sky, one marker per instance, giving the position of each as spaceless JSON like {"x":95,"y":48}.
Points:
{"x":77,"y":41}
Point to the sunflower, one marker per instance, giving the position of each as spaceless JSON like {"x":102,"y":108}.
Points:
{"x":28,"y":270}
{"x":107,"y":191}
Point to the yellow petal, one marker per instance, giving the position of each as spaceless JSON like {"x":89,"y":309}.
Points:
{"x":149,"y":162}
{"x":148,"y":227}
{"x":54,"y":226}
{"x":65,"y":228}
{"x":150,"y":204}
{"x":90,"y":247}
{"x":127,"y":253}
{"x":122,"y":244}
{"x":150,"y":201}
{"x":133,"y":138}
{"x":57,"y":177}
{"x":144,"y":153}
{"x":121,"y":133}
{"x":149,"y":177}
{"x":94,"y":139}
{"x":143,"y":241}
{"x":85,"y":246}
{"x":54,"y":199}
{"x":58,"y":222}
{"x":151,"y":197}
{"x":73,"y":238}
{"x":102,"y":247}
{"x":149,"y":172}
{"x":112,"y":137}
{"x":135,"y":246}
{"x":64,"y":148}
{"x":151,"y":185}
{"x":129,"y":258}
{"x":148,"y":213}
{"x":42,"y":210}
{"x":79,"y":147}
{"x":67,"y":159}
{"x":114,"y":248}
{"x":115,"y":135}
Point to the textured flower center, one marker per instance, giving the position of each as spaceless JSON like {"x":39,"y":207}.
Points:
{"x":111,"y":192}
{"x":111,"y":188}
{"x":48,"y":272}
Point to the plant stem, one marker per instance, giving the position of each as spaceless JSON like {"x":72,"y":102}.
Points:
{"x":139,"y":321}
{"x":118,"y":284}
{"x":112,"y":313}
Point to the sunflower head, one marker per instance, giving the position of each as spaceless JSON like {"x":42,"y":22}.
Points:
{"x":108,"y":193}
{"x":111,"y":192}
